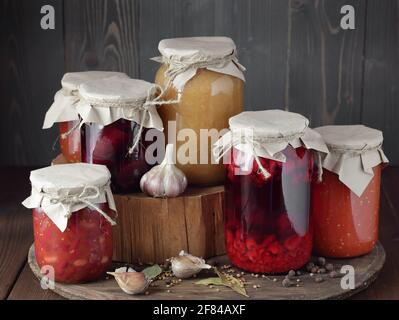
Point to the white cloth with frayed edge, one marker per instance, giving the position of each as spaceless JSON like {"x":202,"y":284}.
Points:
{"x":184,"y":56}
{"x":63,"y":189}
{"x":65,"y":100}
{"x":267,"y":133}
{"x":105,"y":101}
{"x":354,"y":151}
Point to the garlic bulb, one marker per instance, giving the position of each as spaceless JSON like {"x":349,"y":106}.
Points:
{"x":130,"y":281}
{"x":164,"y":180}
{"x":187,"y":265}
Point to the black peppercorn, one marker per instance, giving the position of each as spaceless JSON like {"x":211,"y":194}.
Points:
{"x":291,"y":274}
{"x":321,"y":261}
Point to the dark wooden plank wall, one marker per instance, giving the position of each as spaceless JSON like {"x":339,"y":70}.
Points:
{"x":296,"y":54}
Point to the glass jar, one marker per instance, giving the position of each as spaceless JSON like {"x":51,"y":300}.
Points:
{"x":82,"y":253}
{"x":267,"y":219}
{"x":63,"y":110}
{"x":109,"y":145}
{"x":346,"y":225}
{"x":267,"y":190}
{"x":73,"y":213}
{"x":207,"y":100}
{"x":70,"y":141}
{"x":117,"y":114}
{"x":346,"y":199}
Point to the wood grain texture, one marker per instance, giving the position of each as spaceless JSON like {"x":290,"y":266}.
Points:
{"x":16,"y":233}
{"x":366,"y":269}
{"x":31,"y":64}
{"x":154,"y":229}
{"x":325,"y":62}
{"x":258,"y":28}
{"x":381,"y":73}
{"x":101,"y":35}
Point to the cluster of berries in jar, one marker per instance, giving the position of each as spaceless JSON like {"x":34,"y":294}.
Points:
{"x":109,"y":145}
{"x":267,"y":218}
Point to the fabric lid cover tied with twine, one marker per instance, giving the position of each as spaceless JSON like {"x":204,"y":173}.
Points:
{"x":65,"y":100}
{"x":267,"y":134}
{"x":108,"y":100}
{"x":183,"y":56}
{"x":354,"y":151}
{"x":63,"y":189}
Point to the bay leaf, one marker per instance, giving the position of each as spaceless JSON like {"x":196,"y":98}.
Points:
{"x":152,"y":272}
{"x":216,"y":281}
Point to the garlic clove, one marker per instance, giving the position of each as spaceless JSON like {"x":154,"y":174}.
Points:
{"x":164,"y":180}
{"x":131,"y":282}
{"x":186,"y":265}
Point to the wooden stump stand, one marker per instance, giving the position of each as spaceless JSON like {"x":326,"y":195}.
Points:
{"x":150,"y":230}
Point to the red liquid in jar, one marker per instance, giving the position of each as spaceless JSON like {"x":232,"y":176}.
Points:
{"x":82,"y":253}
{"x":346,"y":225}
{"x":70,"y":145}
{"x":109,"y":145}
{"x":267,"y":219}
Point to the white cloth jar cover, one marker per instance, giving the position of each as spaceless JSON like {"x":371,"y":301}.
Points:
{"x":267,"y":133}
{"x":63,"y":189}
{"x":354,"y":151}
{"x":65,"y":100}
{"x":183,"y":56}
{"x":105,"y":101}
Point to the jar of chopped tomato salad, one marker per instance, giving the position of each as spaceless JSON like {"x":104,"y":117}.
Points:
{"x":346,"y":199}
{"x":269,"y":167}
{"x":73,"y":214}
{"x":63,"y":110}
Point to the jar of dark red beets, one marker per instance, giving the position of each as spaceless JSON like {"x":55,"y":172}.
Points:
{"x":117,"y":114}
{"x":267,"y":190}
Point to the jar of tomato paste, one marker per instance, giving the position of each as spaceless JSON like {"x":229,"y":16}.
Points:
{"x":203,"y":76}
{"x":73,"y":214}
{"x":63,"y":110}
{"x":117,"y":114}
{"x":346,"y":199}
{"x":269,"y":166}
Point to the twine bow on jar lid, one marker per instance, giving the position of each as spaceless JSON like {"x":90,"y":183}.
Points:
{"x":354,"y":151}
{"x":108,"y":100}
{"x":184,"y":56}
{"x":61,"y":190}
{"x":267,"y":134}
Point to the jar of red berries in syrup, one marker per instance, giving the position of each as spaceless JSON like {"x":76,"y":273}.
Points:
{"x":269,"y":166}
{"x":73,"y":214}
{"x":117,"y":114}
{"x":63,"y":110}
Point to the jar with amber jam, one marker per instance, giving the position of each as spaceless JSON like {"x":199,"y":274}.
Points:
{"x":63,"y":111}
{"x":346,"y":198}
{"x":203,"y":76}
{"x":73,"y":213}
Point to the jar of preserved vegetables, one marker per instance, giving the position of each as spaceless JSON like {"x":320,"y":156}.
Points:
{"x":73,"y":214}
{"x":203,"y":76}
{"x":63,"y":110}
{"x":116,"y":115}
{"x":346,"y":200}
{"x":269,"y":164}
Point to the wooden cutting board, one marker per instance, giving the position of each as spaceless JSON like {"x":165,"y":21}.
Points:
{"x":366,"y":271}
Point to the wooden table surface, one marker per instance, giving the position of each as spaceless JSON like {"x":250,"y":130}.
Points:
{"x":18,"y":282}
